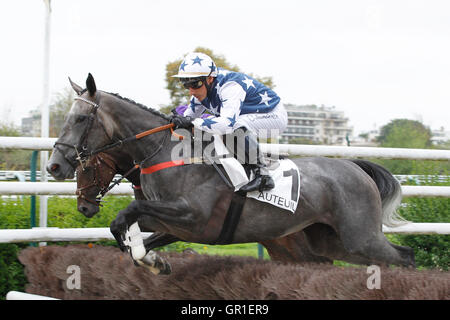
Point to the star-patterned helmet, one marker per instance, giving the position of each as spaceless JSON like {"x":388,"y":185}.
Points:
{"x":197,"y":64}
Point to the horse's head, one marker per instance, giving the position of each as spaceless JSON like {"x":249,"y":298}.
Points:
{"x":93,"y":180}
{"x":86,"y":128}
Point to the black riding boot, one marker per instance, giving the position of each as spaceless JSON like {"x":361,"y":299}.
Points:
{"x":255,"y":158}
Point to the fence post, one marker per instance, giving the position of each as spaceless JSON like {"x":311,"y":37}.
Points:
{"x":260,"y":251}
{"x":33,"y":198}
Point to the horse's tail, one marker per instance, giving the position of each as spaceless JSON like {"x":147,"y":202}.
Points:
{"x":390,"y":191}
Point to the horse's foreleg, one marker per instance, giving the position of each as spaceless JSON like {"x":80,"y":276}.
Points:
{"x":159,"y":239}
{"x":176,"y":212}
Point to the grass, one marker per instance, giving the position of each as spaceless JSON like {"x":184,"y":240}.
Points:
{"x":241,"y":249}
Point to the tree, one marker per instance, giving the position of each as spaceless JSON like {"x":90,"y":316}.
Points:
{"x":180,"y":96}
{"x":59,"y":109}
{"x":404,"y":133}
{"x":304,"y":141}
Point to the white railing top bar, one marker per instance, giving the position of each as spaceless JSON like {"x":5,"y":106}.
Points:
{"x":36,"y":143}
{"x":104,"y":234}
{"x":69,"y":188}
{"x":356,"y":152}
{"x":27,"y":143}
{"x":17,"y":295}
{"x":57,"y":234}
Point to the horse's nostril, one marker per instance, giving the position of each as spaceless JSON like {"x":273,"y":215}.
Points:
{"x":83,"y":209}
{"x":54,"y":167}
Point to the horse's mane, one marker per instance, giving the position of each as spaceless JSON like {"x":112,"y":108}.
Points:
{"x":148,"y":109}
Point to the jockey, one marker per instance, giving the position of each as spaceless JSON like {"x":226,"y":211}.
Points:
{"x":236,"y":101}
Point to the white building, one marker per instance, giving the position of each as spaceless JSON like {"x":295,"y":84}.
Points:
{"x":31,"y":126}
{"x":440,"y":136}
{"x":317,"y":124}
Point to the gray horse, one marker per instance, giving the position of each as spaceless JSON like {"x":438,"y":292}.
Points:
{"x":340,"y":203}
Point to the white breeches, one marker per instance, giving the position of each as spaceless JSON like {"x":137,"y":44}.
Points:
{"x":265,"y":125}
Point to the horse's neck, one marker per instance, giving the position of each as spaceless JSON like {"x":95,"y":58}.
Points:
{"x":131,"y":120}
{"x":124,"y":164}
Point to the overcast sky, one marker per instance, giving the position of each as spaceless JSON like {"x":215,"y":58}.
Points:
{"x":374,"y":60}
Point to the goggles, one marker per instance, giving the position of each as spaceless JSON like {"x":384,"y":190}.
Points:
{"x":192,"y":83}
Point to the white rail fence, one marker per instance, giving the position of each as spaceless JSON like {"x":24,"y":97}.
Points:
{"x":17,"y":295}
{"x":97,"y":234}
{"x":69,"y":188}
{"x":42,"y":144}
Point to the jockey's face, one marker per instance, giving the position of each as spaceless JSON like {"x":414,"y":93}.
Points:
{"x":201,"y":92}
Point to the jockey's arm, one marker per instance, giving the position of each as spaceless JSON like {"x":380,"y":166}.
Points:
{"x":232,"y":96}
{"x":195,"y":109}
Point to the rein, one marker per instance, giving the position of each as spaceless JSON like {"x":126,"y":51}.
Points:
{"x":82,"y":155}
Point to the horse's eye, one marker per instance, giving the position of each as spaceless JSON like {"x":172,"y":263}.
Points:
{"x":80,"y":118}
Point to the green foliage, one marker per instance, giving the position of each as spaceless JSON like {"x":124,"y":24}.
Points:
{"x":432,"y":251}
{"x":304,"y":141}
{"x":180,"y":96}
{"x":240,"y":249}
{"x":63,"y":213}
{"x":13,"y":159}
{"x":9,"y":130}
{"x":12,"y":276}
{"x":59,"y":109}
{"x":404,"y":133}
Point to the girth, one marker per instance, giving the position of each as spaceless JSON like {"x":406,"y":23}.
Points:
{"x":225,"y":217}
{"x":225,"y":214}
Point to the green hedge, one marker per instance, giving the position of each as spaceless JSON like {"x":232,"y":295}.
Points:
{"x":431,"y":251}
{"x":12,"y":276}
{"x":62,"y":213}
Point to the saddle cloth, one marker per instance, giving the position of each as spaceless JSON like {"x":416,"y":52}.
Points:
{"x":286,"y":193}
{"x":284,"y":172}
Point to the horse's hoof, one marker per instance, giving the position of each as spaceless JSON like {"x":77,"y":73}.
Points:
{"x":165,"y":268}
{"x":155,"y":264}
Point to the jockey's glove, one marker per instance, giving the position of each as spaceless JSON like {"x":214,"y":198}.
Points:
{"x":181,"y":122}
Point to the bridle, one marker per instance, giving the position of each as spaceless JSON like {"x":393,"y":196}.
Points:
{"x":81,"y":150}
{"x":103,"y":185}
{"x":83,"y":155}
{"x":98,"y":180}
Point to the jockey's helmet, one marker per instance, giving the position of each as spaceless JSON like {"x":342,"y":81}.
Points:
{"x":196,"y":65}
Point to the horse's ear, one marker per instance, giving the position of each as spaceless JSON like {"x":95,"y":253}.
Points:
{"x":75,"y":87}
{"x":90,"y":85}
